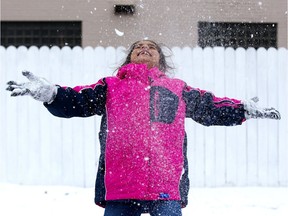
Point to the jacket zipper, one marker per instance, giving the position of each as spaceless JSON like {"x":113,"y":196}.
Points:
{"x":150,"y":136}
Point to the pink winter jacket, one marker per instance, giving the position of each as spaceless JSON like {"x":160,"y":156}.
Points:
{"x":144,"y":155}
{"x":142,"y":130}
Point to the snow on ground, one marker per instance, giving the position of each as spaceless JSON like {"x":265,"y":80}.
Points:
{"x":18,"y":200}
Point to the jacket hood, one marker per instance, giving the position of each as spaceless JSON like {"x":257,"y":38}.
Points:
{"x":139,"y":71}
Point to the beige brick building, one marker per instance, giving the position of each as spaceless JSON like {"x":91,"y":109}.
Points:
{"x":175,"y":23}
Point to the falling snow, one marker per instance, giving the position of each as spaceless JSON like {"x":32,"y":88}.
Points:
{"x":119,"y":33}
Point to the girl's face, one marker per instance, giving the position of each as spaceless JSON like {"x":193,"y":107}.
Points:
{"x":145,"y":52}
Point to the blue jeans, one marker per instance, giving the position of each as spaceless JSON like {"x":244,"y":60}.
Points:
{"x":136,"y":207}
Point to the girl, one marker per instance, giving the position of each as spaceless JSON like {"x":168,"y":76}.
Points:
{"x":143,"y":164}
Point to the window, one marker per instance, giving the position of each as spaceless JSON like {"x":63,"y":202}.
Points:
{"x":237,"y":34}
{"x":41,"y":33}
{"x":124,"y":9}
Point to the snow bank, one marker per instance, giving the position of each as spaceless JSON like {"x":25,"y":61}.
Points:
{"x":62,"y":200}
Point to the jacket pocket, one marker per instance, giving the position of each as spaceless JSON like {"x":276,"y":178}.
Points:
{"x":163,"y":105}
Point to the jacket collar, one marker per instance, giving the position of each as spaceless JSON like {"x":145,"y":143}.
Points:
{"x":139,"y":72}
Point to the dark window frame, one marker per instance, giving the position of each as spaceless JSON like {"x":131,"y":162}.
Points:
{"x":41,"y":33}
{"x":236,"y":34}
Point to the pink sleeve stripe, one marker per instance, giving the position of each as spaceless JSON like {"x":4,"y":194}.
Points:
{"x":218,"y":102}
{"x":92,"y":86}
{"x":221,"y":102}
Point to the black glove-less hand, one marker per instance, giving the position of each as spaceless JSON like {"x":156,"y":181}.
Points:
{"x":39,"y":88}
{"x":252,"y":110}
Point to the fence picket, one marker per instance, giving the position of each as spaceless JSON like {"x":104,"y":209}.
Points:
{"x":101,"y":67}
{"x":66,"y":130}
{"x":55,"y":124}
{"x":89,"y":142}
{"x":252,"y":143}
{"x":198,"y":133}
{"x":283,"y":107}
{"x":273,"y":154}
{"x":241,"y":131}
{"x":220,"y":134}
{"x":3,"y":115}
{"x":262,"y":130}
{"x":209,"y":139}
{"x":12,"y":119}
{"x":231,"y":133}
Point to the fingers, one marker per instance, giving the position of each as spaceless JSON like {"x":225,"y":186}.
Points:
{"x":17,"y":88}
{"x":29,"y":75}
{"x":10,"y":88}
{"x":19,"y":92}
{"x":272,"y":113}
{"x":12,"y":85}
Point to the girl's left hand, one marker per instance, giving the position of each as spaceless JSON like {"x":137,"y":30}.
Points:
{"x":252,"y":110}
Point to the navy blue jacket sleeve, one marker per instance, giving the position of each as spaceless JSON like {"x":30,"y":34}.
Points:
{"x":80,"y":101}
{"x":206,"y":109}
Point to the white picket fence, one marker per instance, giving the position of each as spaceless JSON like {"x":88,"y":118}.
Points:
{"x":38,"y":148}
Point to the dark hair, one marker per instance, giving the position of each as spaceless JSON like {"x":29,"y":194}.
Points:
{"x":163,"y":65}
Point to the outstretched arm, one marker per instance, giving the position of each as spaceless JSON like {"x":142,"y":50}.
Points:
{"x":81,"y":101}
{"x":207,"y":109}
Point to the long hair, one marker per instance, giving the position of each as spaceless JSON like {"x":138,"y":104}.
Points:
{"x":163,"y":65}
